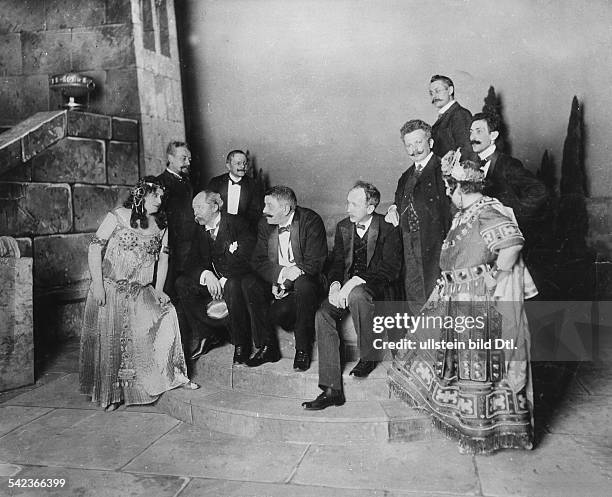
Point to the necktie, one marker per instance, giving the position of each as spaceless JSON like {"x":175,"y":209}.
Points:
{"x":211,"y":232}
{"x":360,"y":226}
{"x":284,"y":229}
{"x":234,"y":182}
{"x":417,"y":169}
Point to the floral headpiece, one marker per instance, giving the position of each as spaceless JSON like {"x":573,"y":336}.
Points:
{"x":139,"y":191}
{"x":460,"y":171}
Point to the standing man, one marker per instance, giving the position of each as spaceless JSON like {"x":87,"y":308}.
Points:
{"x":240,"y":193}
{"x":177,"y":199}
{"x":218,"y":261}
{"x":507,"y":179}
{"x":289,"y":256}
{"x":422,"y":211}
{"x":452,"y":129}
{"x":366,"y":261}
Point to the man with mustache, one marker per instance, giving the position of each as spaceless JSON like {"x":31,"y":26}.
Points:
{"x":217,"y":263}
{"x":288,"y":259}
{"x":240,"y":193}
{"x":452,"y":129}
{"x":508,"y":180}
{"x":422,"y":211}
{"x":177,"y":199}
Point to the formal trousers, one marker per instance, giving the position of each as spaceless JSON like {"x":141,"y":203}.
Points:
{"x":194,"y":298}
{"x":295,"y":311}
{"x":360,"y":304}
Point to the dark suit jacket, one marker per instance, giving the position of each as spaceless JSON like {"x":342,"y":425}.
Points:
{"x":452,"y":130}
{"x":308,"y":242}
{"x":250,"y":205}
{"x":432,"y":207}
{"x":232,"y":264}
{"x":384,"y":249}
{"x":181,"y":225}
{"x":515,"y":186}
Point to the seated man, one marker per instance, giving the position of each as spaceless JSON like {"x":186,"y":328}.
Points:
{"x":367,"y":259}
{"x":288,"y":258}
{"x":241,"y":194}
{"x":218,"y":261}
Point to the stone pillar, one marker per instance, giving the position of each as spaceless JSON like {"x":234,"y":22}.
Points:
{"x":16,"y":330}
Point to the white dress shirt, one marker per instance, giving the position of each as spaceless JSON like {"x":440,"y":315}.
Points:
{"x":486,"y":155}
{"x":446,"y":107}
{"x":285,"y":252}
{"x":421,"y":164}
{"x":233,"y":194}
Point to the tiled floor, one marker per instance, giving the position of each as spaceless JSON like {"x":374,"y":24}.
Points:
{"x":50,"y":431}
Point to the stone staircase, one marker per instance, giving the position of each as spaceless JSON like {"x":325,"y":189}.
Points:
{"x":265,"y":403}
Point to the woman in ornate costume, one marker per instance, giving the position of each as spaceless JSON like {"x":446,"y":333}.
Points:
{"x":481,"y":397}
{"x":131,"y":349}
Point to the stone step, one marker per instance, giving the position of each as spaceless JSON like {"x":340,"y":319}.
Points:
{"x":280,"y":380}
{"x":267,"y":417}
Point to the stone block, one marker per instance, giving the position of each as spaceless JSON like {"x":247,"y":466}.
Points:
{"x":87,"y":125}
{"x":35,"y":209}
{"x":25,"y":246}
{"x":118,"y":12}
{"x":60,"y":260}
{"x":24,"y":15}
{"x":62,"y":14}
{"x":103,"y":47}
{"x":10,"y":159}
{"x":46,"y":52}
{"x":62,"y":320}
{"x":72,"y":160}
{"x":44,"y":135}
{"x":22,"y":96}
{"x":122,"y":97}
{"x":10,"y":54}
{"x":16,"y":333}
{"x":124,"y":129}
{"x":122,"y":163}
{"x":91,"y":203}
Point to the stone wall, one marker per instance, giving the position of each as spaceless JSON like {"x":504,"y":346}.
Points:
{"x":63,"y":172}
{"x":103,"y":39}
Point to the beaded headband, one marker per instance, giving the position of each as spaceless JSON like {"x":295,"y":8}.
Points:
{"x":140,"y":190}
{"x":454,"y":168}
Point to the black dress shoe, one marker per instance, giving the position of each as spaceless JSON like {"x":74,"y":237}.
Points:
{"x":265,"y":354}
{"x":206,"y":345}
{"x":328,"y":398}
{"x":363,"y":368}
{"x":301,"y":361}
{"x":241,"y":354}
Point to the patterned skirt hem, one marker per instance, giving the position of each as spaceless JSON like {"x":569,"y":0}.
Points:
{"x":467,"y":444}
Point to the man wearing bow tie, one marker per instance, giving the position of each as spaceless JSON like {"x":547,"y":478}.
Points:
{"x":422,"y":212}
{"x":240,"y":193}
{"x":507,"y":179}
{"x":217,"y":263}
{"x":366,"y":262}
{"x":178,"y":194}
{"x":452,"y":128}
{"x":289,"y":256}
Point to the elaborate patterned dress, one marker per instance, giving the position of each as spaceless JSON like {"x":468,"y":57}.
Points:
{"x":131,"y":349}
{"x":482,"y":397}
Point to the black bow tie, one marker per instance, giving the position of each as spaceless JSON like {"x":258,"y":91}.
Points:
{"x":284,"y":229}
{"x":360,"y":226}
{"x":234,"y":182}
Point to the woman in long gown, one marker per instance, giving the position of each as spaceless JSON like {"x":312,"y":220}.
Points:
{"x":481,"y":397}
{"x":131,"y":349}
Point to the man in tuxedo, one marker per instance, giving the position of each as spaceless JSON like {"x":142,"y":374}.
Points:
{"x":508,"y":180}
{"x":288,"y":258}
{"x":240,"y":193}
{"x":452,"y":129}
{"x":366,"y":261}
{"x":217,"y":264}
{"x":178,"y":194}
{"x":422,"y":211}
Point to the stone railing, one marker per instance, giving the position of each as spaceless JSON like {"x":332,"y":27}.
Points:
{"x":60,"y":172}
